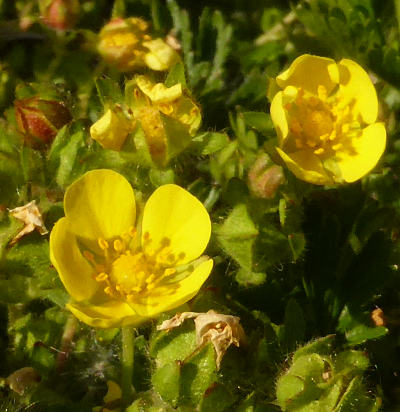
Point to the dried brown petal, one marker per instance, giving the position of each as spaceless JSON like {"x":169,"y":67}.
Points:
{"x":30,"y":215}
{"x":219,"y":329}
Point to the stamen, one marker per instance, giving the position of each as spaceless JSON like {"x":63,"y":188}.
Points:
{"x":103,"y":244}
{"x":108,"y":291}
{"x":319,"y":151}
{"x":88,"y":255}
{"x":101,"y":277}
{"x":119,"y":246}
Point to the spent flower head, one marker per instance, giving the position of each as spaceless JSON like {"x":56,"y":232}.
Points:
{"x":119,"y":274}
{"x":168,"y":116}
{"x":325,"y":115}
{"x":127,"y":45}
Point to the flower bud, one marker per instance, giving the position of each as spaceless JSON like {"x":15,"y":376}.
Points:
{"x":111,"y":129}
{"x":39,"y":120}
{"x":61,"y":14}
{"x":265,"y":177}
{"x":168,"y":117}
{"x":126,"y":44}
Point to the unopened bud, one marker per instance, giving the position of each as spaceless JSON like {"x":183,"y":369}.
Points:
{"x":39,"y":120}
{"x":265,"y":177}
{"x":61,"y":14}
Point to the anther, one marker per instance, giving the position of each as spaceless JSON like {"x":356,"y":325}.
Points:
{"x":169,"y":271}
{"x":101,"y":277}
{"x":337,"y":146}
{"x":103,"y":244}
{"x":119,"y":246}
{"x":108,"y":291}
{"x":88,"y":255}
{"x":319,"y":151}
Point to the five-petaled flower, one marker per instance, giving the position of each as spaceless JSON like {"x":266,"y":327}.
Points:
{"x":325,"y":115}
{"x":119,"y":274}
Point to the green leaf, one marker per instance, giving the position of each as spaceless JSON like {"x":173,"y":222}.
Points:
{"x":68,"y":155}
{"x":108,"y":91}
{"x":198,"y":373}
{"x":236,"y":236}
{"x":216,"y":399}
{"x":294,"y":325}
{"x":259,"y":120}
{"x":176,"y":75}
{"x":166,"y":381}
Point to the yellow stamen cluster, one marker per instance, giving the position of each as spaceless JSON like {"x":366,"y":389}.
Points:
{"x":129,"y":271}
{"x":322,"y":123}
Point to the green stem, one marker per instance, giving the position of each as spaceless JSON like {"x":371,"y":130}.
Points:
{"x":127,"y":362}
{"x":397,"y":7}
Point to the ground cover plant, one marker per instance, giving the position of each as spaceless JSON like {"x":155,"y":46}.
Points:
{"x":199,"y":205}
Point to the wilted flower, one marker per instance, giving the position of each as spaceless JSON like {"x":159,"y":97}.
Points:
{"x":168,"y":117}
{"x":219,"y":329}
{"x":61,"y":14}
{"x":30,"y":215}
{"x":325,"y":116}
{"x":126,"y":44}
{"x":118,"y":275}
{"x":39,"y":120}
{"x":112,"y":129}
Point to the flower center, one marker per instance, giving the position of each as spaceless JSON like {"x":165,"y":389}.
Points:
{"x":317,"y":123}
{"x":130,"y":272}
{"x":323,"y":124}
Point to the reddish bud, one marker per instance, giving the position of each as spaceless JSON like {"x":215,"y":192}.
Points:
{"x":265,"y":177}
{"x":61,"y":14}
{"x":39,"y":120}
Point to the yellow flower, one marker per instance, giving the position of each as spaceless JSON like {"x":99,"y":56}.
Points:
{"x":168,"y":117}
{"x":119,"y":275}
{"x":325,"y":115}
{"x":111,"y":129}
{"x":126,"y":44}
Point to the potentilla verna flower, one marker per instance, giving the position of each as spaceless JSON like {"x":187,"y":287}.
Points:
{"x":127,"y":45}
{"x":325,"y":115}
{"x":119,"y":274}
{"x":168,"y":116}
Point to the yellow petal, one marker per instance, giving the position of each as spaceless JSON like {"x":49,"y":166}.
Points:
{"x":355,"y":85}
{"x":74,"y":270}
{"x":111,"y":314}
{"x":306,"y":166}
{"x":160,"y":301}
{"x":158,"y":93}
{"x":161,"y":56}
{"x":100,"y":204}
{"x":309,"y":72}
{"x":173,"y":213}
{"x":369,"y":148}
{"x":278,"y":117}
{"x":111,"y":130}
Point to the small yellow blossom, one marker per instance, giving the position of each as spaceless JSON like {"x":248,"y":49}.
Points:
{"x":118,"y":274}
{"x":126,"y":44}
{"x":325,"y":115}
{"x":112,"y":129}
{"x":169,"y":118}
